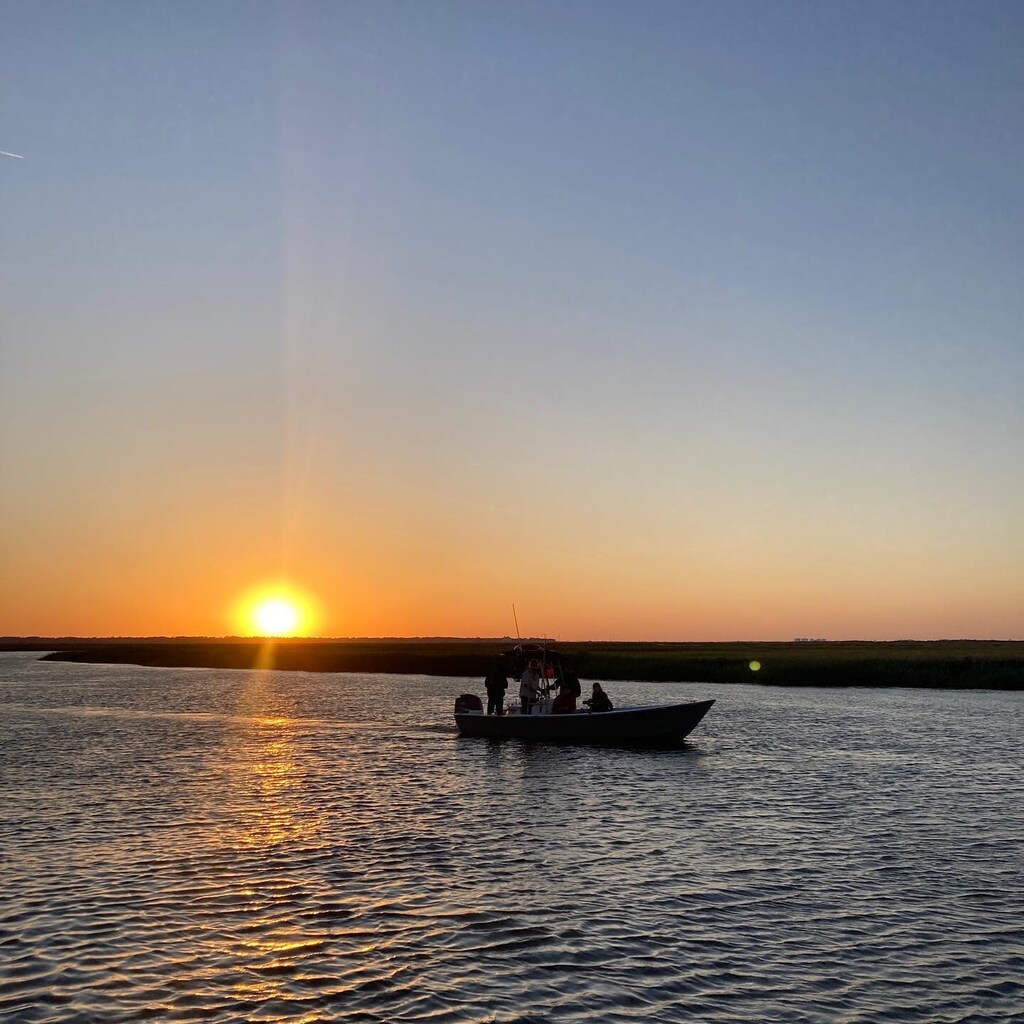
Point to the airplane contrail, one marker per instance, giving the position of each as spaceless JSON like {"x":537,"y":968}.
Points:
{"x":17,"y":156}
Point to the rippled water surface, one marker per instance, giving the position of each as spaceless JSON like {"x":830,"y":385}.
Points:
{"x":181,"y":845}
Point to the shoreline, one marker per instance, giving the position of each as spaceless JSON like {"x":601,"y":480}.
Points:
{"x":941,"y":664}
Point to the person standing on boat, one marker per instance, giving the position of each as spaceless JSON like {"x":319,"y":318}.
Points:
{"x":599,"y":700}
{"x":496,"y":684}
{"x":529,"y":686}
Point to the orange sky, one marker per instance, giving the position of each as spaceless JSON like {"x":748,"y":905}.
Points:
{"x":157,"y":556}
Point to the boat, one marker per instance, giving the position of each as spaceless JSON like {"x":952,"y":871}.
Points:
{"x":648,"y":725}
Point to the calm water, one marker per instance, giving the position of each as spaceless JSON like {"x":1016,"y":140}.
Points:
{"x":183,"y":845}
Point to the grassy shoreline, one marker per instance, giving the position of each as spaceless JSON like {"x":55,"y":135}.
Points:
{"x":946,"y":664}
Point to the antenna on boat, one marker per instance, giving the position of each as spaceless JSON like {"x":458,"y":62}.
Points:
{"x":516,"y":618}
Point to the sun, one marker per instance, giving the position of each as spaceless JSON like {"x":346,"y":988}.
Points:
{"x":275,"y":611}
{"x":276,"y":617}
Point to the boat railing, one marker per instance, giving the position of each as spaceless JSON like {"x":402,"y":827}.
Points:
{"x":539,"y":707}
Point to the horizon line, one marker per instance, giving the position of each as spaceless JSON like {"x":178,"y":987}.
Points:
{"x":124,"y":638}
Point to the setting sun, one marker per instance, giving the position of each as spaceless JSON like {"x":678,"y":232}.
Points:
{"x":276,"y":617}
{"x":276,"y":612}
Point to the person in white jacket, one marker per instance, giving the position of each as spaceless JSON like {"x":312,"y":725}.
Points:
{"x":529,"y":686}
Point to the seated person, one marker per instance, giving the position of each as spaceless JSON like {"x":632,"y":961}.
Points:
{"x":599,"y":700}
{"x":568,"y":691}
{"x":564,"y":703}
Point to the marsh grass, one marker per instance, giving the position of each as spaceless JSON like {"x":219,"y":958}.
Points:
{"x":961,"y":664}
{"x":955,"y":664}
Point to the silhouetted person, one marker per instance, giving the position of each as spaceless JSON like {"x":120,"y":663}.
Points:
{"x":568,"y":691}
{"x":564,"y":703}
{"x":599,"y":700}
{"x":496,"y":684}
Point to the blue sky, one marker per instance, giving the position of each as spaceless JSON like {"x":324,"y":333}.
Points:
{"x":744,"y":277}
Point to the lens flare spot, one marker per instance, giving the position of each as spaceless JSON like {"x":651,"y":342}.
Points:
{"x":755,"y":666}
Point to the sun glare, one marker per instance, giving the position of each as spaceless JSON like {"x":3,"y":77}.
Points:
{"x":275,"y":612}
{"x":277,"y":618}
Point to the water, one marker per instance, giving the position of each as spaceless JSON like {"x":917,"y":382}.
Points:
{"x":182,"y":845}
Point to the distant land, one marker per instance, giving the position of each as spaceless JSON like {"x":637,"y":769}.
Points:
{"x":946,"y":664}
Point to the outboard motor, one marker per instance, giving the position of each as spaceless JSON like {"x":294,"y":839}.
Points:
{"x":466,"y":702}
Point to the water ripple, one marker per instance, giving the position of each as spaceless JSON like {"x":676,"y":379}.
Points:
{"x":231,"y":846}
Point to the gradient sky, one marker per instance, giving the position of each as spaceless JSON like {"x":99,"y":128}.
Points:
{"x":660,"y":320}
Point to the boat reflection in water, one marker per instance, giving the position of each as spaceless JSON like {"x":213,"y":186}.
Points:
{"x":651,"y":725}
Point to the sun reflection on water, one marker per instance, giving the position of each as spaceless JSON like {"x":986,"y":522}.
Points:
{"x":266,"y":777}
{"x":267,"y":811}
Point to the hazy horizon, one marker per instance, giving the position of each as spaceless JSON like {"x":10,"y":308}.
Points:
{"x":314,"y":638}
